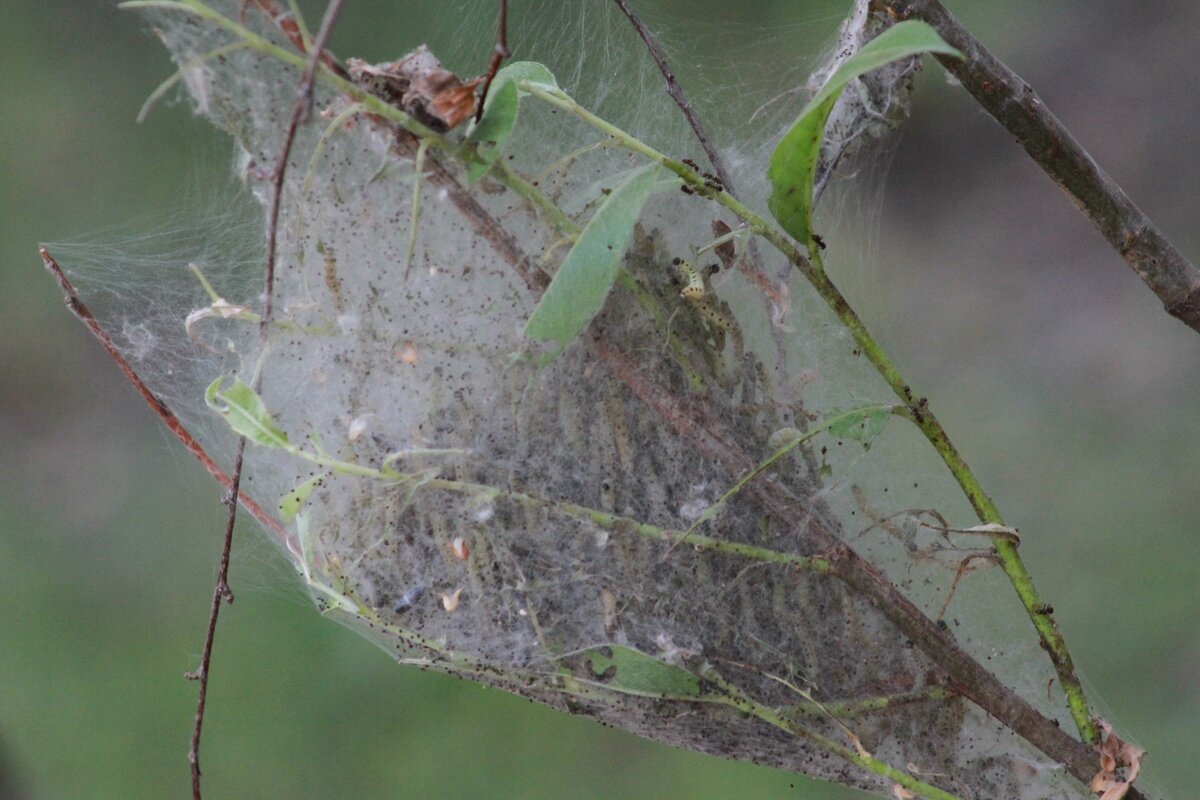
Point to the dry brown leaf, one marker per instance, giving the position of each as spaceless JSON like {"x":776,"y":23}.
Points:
{"x":1120,"y":763}
{"x":419,"y":85}
{"x":454,"y":105}
{"x":726,"y":250}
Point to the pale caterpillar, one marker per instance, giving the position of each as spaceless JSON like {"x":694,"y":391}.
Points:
{"x":696,"y":293}
{"x":693,"y":281}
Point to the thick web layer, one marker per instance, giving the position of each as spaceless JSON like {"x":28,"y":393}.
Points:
{"x":517,"y":537}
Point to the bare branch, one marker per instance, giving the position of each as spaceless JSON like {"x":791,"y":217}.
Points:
{"x":1017,"y":107}
{"x":500,"y":53}
{"x":222,"y":591}
{"x":676,"y":92}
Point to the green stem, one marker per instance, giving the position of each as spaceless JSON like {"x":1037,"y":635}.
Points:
{"x":418,"y":165}
{"x":869,"y":705}
{"x":824,"y":425}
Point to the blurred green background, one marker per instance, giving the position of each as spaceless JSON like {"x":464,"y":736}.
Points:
{"x":1075,"y":397}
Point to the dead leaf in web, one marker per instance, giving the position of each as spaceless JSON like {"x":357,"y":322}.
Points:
{"x":725,"y":250}
{"x":220,"y":309}
{"x":1120,"y":763}
{"x":420,"y":86}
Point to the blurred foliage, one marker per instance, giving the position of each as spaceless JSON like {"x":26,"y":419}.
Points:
{"x":1069,"y":390}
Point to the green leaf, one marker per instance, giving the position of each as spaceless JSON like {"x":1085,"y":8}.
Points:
{"x":630,"y":671}
{"x":862,"y":425}
{"x":577,"y":292}
{"x":290,"y":503}
{"x":795,"y":158}
{"x":491,"y":133}
{"x":243,"y":409}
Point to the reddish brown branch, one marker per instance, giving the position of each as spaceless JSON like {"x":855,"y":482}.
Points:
{"x":500,"y":53}
{"x":1017,"y":107}
{"x":677,"y":94}
{"x":288,"y":26}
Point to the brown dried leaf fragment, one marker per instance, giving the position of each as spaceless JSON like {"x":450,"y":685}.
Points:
{"x":726,"y":251}
{"x":1120,"y":763}
{"x":419,"y":86}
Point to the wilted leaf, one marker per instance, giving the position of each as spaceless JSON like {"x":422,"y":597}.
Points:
{"x":1120,"y":763}
{"x":219,"y":309}
{"x":245,"y":412}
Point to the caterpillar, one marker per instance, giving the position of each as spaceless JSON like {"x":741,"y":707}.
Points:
{"x":693,"y":281}
{"x":698,"y":296}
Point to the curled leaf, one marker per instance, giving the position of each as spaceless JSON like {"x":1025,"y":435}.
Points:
{"x":219,"y":309}
{"x":491,"y":133}
{"x":793,"y":163}
{"x":245,"y":412}
{"x":1120,"y":763}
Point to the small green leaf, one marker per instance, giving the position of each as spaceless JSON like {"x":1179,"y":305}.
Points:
{"x":491,"y":133}
{"x":861,"y":425}
{"x":630,"y":671}
{"x":577,"y":292}
{"x":290,"y":503}
{"x":304,"y":535}
{"x":795,"y":158}
{"x":243,"y":409}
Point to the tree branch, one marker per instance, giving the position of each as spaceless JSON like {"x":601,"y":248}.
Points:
{"x":221,"y":591}
{"x":1015,"y":105}
{"x":676,"y":92}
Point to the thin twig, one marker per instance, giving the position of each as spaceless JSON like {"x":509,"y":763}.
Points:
{"x":500,"y":53}
{"x":1018,"y":108}
{"x":290,"y":28}
{"x":676,"y":92}
{"x":222,"y":592}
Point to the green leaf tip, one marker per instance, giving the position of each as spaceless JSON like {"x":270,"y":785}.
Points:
{"x":794,"y":161}
{"x":630,"y":671}
{"x":291,"y":503}
{"x":245,"y":412}
{"x":861,"y":425}
{"x":579,"y":287}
